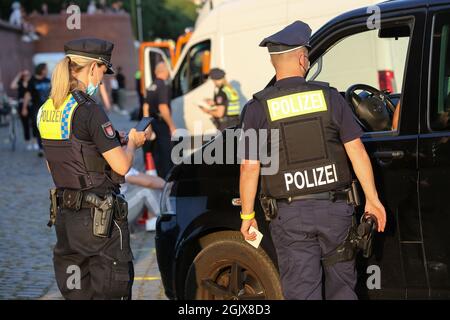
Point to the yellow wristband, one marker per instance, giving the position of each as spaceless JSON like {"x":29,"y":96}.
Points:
{"x":249,"y":216}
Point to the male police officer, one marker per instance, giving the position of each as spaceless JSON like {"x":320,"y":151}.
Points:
{"x":226,"y":105}
{"x":316,"y":134}
{"x":157,"y":105}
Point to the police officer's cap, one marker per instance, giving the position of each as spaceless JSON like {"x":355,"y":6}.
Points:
{"x":292,"y":37}
{"x":216,"y":74}
{"x":95,"y":49}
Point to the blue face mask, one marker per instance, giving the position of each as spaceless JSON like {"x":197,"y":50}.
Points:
{"x":91,"y":89}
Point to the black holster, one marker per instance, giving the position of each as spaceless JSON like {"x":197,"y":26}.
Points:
{"x":103,"y":214}
{"x":112,"y":207}
{"x":53,"y":207}
{"x":359,"y":238}
{"x":269,"y":206}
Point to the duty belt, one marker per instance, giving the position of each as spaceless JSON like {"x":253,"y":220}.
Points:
{"x":72,"y":199}
{"x":330,"y":195}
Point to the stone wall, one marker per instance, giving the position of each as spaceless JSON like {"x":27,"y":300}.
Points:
{"x":15,"y":55}
{"x":112,"y":27}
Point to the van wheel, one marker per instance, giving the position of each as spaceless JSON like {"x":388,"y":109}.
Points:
{"x":231,"y":269}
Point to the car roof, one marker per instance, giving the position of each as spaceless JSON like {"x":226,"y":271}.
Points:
{"x":386,"y":6}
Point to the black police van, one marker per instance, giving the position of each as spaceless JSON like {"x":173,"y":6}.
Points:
{"x":403,"y":63}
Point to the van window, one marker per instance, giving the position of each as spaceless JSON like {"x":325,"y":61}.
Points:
{"x":376,"y":58}
{"x":191,"y":73}
{"x":439,"y":102}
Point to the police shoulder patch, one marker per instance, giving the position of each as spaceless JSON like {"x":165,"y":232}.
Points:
{"x":108,"y":130}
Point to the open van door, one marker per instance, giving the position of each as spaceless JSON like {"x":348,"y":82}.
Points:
{"x":150,"y":54}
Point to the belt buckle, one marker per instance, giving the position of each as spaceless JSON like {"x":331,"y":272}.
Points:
{"x":332,"y":196}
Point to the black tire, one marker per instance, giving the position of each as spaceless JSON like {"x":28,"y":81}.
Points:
{"x":228,"y":268}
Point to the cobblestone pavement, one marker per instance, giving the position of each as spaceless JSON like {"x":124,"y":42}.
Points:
{"x":26,"y":243}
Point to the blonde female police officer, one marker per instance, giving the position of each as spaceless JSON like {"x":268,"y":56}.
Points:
{"x":86,"y":160}
{"x":317,"y":134}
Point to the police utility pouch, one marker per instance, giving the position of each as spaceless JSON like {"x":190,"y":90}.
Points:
{"x":269,"y":206}
{"x":353,"y":195}
{"x":120,"y":208}
{"x":103,"y":214}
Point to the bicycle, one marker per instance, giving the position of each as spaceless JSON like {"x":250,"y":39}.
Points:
{"x":10,"y":113}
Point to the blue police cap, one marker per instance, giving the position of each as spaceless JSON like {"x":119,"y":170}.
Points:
{"x":216,"y":74}
{"x":97,"y":49}
{"x":294,"y":36}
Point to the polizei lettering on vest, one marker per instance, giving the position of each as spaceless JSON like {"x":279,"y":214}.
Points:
{"x":296,"y":105}
{"x":51,"y":116}
{"x":311,"y":178}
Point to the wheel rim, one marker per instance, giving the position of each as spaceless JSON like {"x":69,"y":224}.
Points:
{"x":231,"y":281}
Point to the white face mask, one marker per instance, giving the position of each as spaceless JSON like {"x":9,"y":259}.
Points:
{"x":307,"y":67}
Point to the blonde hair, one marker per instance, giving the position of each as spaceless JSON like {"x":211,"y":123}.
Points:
{"x":63,"y":79}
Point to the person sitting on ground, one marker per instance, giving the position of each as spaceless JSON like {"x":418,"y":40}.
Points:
{"x":146,"y":193}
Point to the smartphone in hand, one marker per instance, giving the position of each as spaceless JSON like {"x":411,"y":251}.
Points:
{"x":143,"y":124}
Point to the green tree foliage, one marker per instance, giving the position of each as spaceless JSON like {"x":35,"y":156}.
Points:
{"x":165,"y":19}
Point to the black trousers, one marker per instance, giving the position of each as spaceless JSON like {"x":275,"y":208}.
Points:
{"x":303,"y":233}
{"x":25,"y":125}
{"x":89,"y":267}
{"x":161,"y":148}
{"x":34,"y":110}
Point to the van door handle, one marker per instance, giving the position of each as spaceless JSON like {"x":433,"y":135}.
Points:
{"x":398,"y":154}
{"x":384,"y":158}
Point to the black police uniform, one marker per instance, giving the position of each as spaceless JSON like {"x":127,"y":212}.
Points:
{"x":314,"y":122}
{"x":39,"y":90}
{"x":86,"y":266}
{"x":160,"y":93}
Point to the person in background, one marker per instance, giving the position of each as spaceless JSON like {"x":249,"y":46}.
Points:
{"x":157,"y":106}
{"x":44,"y":9}
{"x":92,"y":8}
{"x":137,"y":77}
{"x":146,"y":193}
{"x":37,"y":93}
{"x":114,"y":93}
{"x":225,"y":106}
{"x":20,"y":83}
{"x":118,"y":92}
{"x":16,"y":15}
{"x":105,"y":97}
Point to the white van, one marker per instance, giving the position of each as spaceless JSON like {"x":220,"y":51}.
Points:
{"x":49,"y":58}
{"x":227,"y":35}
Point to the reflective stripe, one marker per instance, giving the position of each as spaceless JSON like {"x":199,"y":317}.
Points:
{"x":66,"y":118}
{"x":297,"y":104}
{"x":234,"y":105}
{"x":55,"y":124}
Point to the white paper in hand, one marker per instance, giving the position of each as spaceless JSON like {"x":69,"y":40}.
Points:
{"x":258,"y":239}
{"x":204,"y":104}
